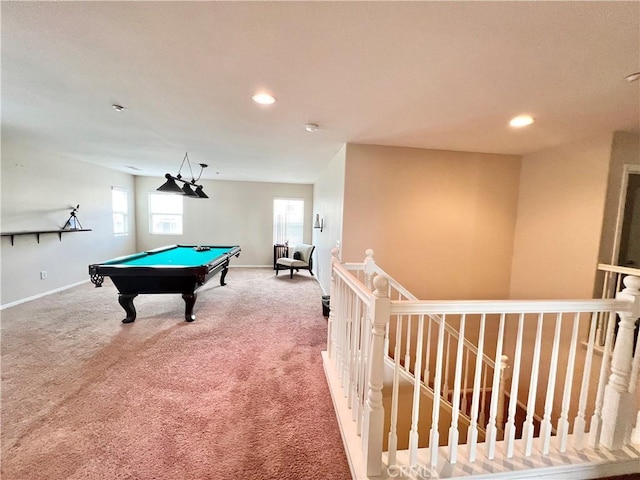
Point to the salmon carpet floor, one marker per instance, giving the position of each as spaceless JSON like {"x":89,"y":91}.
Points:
{"x":238,"y":394}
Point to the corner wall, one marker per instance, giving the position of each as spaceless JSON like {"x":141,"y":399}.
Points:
{"x":560,"y":219}
{"x":328,"y":195}
{"x":440,"y":222}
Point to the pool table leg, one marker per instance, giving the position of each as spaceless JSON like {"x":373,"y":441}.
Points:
{"x":224,"y":274}
{"x":126,"y":302}
{"x":189,"y":302}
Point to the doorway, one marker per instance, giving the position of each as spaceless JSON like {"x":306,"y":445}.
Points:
{"x":629,"y":246}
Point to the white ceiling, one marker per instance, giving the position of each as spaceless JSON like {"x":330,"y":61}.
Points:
{"x":439,"y":75}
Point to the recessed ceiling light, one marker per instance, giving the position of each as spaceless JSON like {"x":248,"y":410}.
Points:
{"x":311,"y":127}
{"x":634,"y":77}
{"x":521,"y":121}
{"x":264,"y":99}
{"x":117,"y":108}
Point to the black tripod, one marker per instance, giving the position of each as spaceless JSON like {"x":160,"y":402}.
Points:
{"x":73,"y":223}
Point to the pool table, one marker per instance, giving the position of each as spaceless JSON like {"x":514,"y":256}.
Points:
{"x":173,"y":269}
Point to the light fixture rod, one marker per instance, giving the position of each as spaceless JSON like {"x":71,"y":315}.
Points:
{"x":170,"y":185}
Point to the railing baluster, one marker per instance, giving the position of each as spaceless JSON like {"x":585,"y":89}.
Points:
{"x":342,"y":328}
{"x":427,"y":357}
{"x":483,"y":399}
{"x":502,"y":394}
{"x":472,"y":437}
{"x":545,"y":427}
{"x":454,"y":433}
{"x":527,"y":429}
{"x":510,"y":429}
{"x":332,"y":315}
{"x":407,"y":346}
{"x":445,"y":386}
{"x":393,"y":433}
{"x":595,"y":428}
{"x":365,"y":336}
{"x":492,"y":430}
{"x":579,"y":423}
{"x":360,"y":373}
{"x":415,"y":410}
{"x":563,"y":421}
{"x":463,"y":403}
{"x":434,"y":434}
{"x":347,"y":341}
{"x":354,"y":361}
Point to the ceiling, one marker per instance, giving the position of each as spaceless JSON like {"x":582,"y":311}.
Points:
{"x":431,"y":74}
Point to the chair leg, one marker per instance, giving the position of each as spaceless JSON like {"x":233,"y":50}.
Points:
{"x":291,"y":272}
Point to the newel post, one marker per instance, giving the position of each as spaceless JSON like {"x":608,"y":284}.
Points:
{"x":333,"y":295}
{"x":617,"y":409}
{"x":373,"y":428}
{"x":369,"y":268}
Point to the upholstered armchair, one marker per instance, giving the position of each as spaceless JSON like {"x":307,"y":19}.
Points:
{"x":300,"y":258}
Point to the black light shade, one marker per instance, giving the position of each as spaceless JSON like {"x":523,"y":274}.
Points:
{"x":186,"y":189}
{"x":170,"y":185}
{"x":200,"y":193}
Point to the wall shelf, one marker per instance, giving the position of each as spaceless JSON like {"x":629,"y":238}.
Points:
{"x":37,"y":233}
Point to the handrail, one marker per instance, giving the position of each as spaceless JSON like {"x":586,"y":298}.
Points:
{"x":450,"y":330}
{"x":619,"y":269}
{"x":361,"y":290}
{"x":427,"y":307}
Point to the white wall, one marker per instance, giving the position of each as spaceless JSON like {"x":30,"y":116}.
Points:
{"x":236,"y":213}
{"x":38,"y":191}
{"x":328,"y":200}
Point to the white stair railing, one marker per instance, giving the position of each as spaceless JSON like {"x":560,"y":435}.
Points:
{"x":365,"y":272}
{"x":366,"y":327}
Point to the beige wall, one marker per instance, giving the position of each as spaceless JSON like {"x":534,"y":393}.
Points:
{"x":237,"y":213}
{"x":440,"y":222}
{"x":560,"y":215}
{"x":328,"y":194}
{"x":38,"y":191}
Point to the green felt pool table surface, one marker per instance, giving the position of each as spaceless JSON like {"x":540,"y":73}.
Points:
{"x":178,"y":256}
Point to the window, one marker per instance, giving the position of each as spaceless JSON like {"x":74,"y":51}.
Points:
{"x":288,"y":220}
{"x":165,"y":214}
{"x":120,"y":206}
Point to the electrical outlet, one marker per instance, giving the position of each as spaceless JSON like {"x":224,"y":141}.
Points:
{"x":43,"y":275}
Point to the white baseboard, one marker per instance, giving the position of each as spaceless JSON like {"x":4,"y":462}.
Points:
{"x":43,"y":294}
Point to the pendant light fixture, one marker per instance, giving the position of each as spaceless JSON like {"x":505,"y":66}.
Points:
{"x":170,"y":186}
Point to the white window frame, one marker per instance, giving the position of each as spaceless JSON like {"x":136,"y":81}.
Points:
{"x":281,"y":233}
{"x":167,"y":213}
{"x":116,"y":211}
